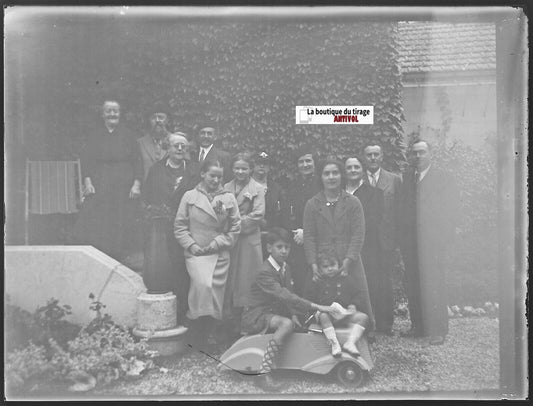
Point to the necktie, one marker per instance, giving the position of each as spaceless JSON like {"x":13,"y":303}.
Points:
{"x":202,"y":155}
{"x":282,"y":272}
{"x":373,"y":179}
{"x":417,"y":176}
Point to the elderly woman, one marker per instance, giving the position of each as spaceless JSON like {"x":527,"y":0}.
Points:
{"x":247,"y":255}
{"x":112,"y":175}
{"x":372,"y":199}
{"x":207,"y":226}
{"x":165,"y":184}
{"x":334,"y":220}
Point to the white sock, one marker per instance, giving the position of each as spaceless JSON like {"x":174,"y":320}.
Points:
{"x":356,"y":333}
{"x":329,"y":332}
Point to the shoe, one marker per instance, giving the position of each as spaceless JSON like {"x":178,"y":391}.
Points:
{"x":436,"y":340}
{"x":336,"y":349}
{"x":351,"y":349}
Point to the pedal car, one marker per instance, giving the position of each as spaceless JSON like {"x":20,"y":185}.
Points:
{"x":307,"y":350}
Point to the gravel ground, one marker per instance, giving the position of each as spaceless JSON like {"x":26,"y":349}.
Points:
{"x":468,"y":361}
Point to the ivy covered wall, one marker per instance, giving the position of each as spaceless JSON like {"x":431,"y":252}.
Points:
{"x":246,"y":74}
{"x":249,"y":77}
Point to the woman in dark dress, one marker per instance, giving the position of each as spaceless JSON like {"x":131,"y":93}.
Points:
{"x":274,"y":196}
{"x":373,"y":205}
{"x":299,"y":191}
{"x":112,"y":173}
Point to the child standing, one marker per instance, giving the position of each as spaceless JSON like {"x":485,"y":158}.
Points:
{"x":336,"y":287}
{"x":271,"y":304}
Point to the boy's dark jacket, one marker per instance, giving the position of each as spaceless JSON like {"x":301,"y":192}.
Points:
{"x":340,"y":289}
{"x":270,"y":293}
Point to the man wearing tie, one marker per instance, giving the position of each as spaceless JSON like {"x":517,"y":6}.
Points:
{"x":389,"y":183}
{"x":207,"y":136}
{"x":428,"y":212}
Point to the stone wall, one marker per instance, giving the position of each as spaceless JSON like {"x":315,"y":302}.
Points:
{"x":34,"y":274}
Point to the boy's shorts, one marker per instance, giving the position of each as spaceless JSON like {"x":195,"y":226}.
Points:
{"x":253,"y":321}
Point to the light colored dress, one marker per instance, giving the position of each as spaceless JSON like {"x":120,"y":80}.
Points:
{"x":247,"y":255}
{"x":202,"y":218}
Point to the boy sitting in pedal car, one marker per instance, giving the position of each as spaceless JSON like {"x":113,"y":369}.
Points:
{"x":341,"y":293}
{"x":272,"y":306}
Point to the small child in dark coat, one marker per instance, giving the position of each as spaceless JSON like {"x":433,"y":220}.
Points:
{"x":340,"y":292}
{"x":271,"y":304}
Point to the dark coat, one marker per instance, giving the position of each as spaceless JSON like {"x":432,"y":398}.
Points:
{"x":343,"y":231}
{"x":216,"y":154}
{"x":107,"y":218}
{"x":150,"y":153}
{"x":275,"y":199}
{"x":340,"y":289}
{"x":271,"y":294}
{"x":373,"y":203}
{"x":377,"y":268}
{"x":390,"y":184}
{"x":428,"y":213}
{"x":160,"y":186}
{"x":299,"y":191}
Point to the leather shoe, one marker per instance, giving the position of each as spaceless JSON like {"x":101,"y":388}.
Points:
{"x":436,"y":340}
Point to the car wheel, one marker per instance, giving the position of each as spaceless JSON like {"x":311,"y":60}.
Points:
{"x":350,"y":374}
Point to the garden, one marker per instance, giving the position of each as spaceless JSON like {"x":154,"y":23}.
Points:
{"x":48,"y":357}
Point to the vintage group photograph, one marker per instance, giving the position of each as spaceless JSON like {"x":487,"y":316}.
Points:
{"x":175,"y":230}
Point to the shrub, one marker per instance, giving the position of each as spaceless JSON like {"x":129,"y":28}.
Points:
{"x":47,"y":322}
{"x":102,"y":351}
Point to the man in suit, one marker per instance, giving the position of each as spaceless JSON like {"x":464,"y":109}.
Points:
{"x":207,"y":136}
{"x":150,"y":145}
{"x":389,"y":183}
{"x":428,"y":212}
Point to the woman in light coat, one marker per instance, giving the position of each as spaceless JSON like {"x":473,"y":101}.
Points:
{"x":334,"y":219}
{"x":207,"y":226}
{"x":247,"y":255}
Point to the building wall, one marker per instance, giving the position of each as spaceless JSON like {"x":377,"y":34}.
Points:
{"x":472,"y":110}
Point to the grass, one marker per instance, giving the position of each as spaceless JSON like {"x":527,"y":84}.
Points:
{"x":468,"y":361}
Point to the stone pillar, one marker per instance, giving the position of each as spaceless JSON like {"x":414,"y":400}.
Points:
{"x":157,"y":320}
{"x":157,"y":309}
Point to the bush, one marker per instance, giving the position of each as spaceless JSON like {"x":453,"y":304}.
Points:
{"x":47,"y":322}
{"x":98,"y":354}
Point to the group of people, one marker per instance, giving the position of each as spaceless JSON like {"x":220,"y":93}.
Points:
{"x":246,"y":255}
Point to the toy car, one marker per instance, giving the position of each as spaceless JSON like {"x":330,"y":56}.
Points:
{"x":306,"y":351}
